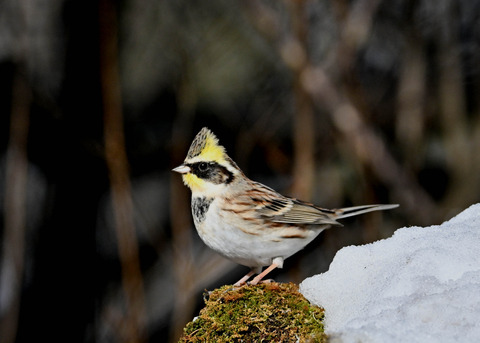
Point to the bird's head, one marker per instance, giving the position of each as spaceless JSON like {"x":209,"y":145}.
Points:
{"x":207,"y":169}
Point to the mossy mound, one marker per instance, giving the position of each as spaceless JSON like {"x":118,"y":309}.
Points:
{"x":271,"y":312}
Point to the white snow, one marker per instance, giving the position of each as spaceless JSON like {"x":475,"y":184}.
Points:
{"x":420,"y":285}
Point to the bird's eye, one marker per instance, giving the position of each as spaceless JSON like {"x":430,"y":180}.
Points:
{"x":203,"y":166}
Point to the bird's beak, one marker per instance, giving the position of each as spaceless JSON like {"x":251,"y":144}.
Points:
{"x":182,"y":169}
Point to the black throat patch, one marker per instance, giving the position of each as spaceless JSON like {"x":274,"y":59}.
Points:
{"x":200,"y":207}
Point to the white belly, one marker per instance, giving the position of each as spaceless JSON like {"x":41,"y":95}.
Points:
{"x":234,"y":238}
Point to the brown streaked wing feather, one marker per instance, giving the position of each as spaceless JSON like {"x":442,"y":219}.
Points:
{"x":304,"y":213}
{"x":281,"y":209}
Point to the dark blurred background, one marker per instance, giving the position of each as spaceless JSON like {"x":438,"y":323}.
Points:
{"x":336,"y":102}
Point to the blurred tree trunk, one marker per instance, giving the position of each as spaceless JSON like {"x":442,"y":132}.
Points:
{"x":411,"y":96}
{"x":295,"y":54}
{"x":453,"y":116}
{"x":134,"y":321}
{"x":13,"y":257}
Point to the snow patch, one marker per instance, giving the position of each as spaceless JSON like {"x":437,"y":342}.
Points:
{"x":420,"y":285}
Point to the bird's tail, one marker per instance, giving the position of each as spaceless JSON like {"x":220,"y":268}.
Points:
{"x":356,"y":210}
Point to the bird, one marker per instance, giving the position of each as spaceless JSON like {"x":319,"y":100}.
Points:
{"x":246,"y":221}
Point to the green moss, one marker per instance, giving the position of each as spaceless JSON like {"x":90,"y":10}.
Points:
{"x":269,"y":312}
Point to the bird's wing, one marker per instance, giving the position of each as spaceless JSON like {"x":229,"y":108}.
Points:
{"x":261,"y":201}
{"x":280,"y":209}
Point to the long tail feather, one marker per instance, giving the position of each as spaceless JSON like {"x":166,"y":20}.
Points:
{"x":356,"y":210}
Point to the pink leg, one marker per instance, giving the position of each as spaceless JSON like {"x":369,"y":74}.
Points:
{"x":244,"y":279}
{"x":260,"y":276}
